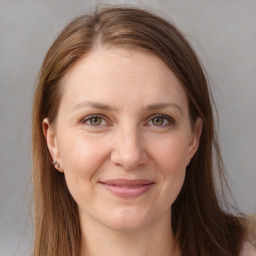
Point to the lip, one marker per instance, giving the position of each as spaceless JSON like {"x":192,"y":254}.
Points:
{"x":128,"y":188}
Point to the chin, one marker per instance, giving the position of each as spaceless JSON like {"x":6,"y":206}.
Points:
{"x":126,"y":220}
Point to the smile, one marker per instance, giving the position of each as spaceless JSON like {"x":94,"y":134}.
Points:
{"x":128,"y":188}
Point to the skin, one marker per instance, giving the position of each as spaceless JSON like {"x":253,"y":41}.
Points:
{"x":125,"y":141}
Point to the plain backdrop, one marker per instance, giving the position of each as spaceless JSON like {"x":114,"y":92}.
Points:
{"x":223,"y":32}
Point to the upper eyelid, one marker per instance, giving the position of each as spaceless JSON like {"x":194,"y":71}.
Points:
{"x":162,"y":116}
{"x":106,"y":119}
{"x":86,"y":118}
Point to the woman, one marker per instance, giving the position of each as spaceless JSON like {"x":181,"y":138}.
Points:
{"x":123,"y":143}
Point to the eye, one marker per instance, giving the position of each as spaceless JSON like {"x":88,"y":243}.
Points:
{"x":94,"y":120}
{"x":158,"y":121}
{"x":162,"y":120}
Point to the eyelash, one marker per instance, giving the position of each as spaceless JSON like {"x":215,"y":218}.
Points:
{"x":88,"y":118}
{"x":170,"y":120}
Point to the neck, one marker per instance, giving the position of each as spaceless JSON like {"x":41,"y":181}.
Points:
{"x":154,"y":239}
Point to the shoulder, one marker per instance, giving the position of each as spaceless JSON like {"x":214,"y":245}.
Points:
{"x":249,"y":246}
{"x":248,"y":249}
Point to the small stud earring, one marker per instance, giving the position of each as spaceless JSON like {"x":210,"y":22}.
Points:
{"x":56,"y":164}
{"x":188,"y":162}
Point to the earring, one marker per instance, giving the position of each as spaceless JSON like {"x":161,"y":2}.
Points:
{"x":188,"y":162}
{"x":56,"y":164}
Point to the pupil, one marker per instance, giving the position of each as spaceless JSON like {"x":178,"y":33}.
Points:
{"x":96,"y":121}
{"x":158,"y":121}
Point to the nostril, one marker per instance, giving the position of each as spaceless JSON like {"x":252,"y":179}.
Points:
{"x":130,"y":160}
{"x":128,"y":148}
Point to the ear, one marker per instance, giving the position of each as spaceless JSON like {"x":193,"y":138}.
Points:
{"x":52,"y":143}
{"x":195,"y":138}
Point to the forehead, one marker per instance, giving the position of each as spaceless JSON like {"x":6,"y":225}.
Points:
{"x":119,"y":76}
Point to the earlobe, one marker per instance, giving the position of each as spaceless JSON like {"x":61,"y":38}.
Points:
{"x":52,"y":143}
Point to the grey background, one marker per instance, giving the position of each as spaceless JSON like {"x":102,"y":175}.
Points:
{"x":223,"y":32}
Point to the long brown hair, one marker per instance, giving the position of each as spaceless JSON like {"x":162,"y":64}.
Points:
{"x":200,"y":226}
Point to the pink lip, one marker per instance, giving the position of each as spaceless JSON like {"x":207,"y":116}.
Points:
{"x":128,"y":188}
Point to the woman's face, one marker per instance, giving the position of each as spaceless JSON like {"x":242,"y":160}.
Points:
{"x":123,"y":137}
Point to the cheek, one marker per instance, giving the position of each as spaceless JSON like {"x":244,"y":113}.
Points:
{"x":81,"y":153}
{"x":81,"y":158}
{"x":170,"y":156}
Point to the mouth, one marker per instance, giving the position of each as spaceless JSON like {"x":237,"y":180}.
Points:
{"x":128,"y":188}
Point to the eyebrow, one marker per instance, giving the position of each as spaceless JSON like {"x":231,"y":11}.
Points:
{"x":92,"y":104}
{"x":164,"y":105}
{"x":101,"y":106}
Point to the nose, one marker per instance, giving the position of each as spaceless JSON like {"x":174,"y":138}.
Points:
{"x":128,"y":149}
